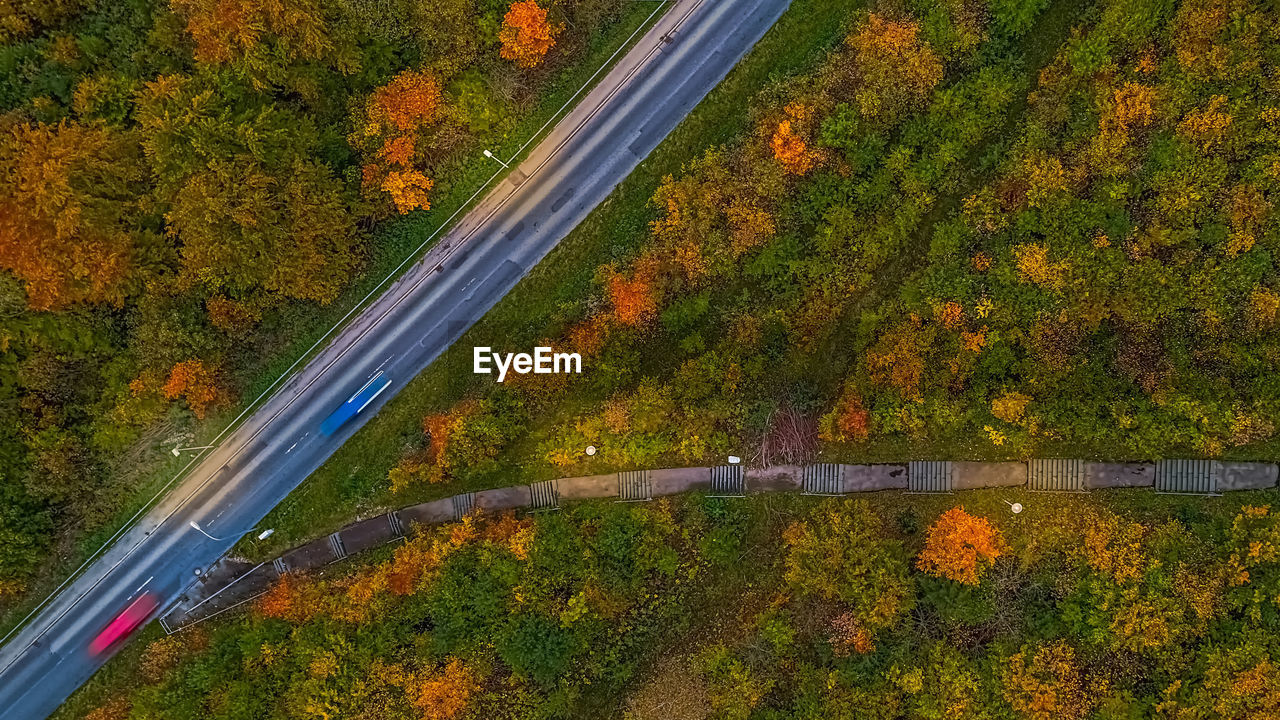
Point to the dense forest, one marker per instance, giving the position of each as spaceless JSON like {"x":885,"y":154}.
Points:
{"x":178,"y":178}
{"x":977,"y":228}
{"x":1116,"y":606}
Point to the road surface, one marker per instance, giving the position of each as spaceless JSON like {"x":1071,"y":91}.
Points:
{"x":645,"y":95}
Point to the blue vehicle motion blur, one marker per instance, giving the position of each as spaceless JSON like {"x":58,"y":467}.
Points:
{"x":355,"y":403}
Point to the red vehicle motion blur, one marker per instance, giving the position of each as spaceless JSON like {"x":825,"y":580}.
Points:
{"x":125,"y":623}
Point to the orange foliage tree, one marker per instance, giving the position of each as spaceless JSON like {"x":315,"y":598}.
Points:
{"x":67,"y":208}
{"x":389,"y":130}
{"x":635,"y":300}
{"x":526,"y":35}
{"x":408,"y":190}
{"x":191,"y":380}
{"x":292,"y":598}
{"x":409,"y":101}
{"x":443,"y":694}
{"x":848,"y":420}
{"x":959,"y":546}
{"x":791,"y":150}
{"x":788,"y":143}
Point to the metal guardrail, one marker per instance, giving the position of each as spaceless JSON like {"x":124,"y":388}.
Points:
{"x":1056,"y":475}
{"x":634,"y":486}
{"x":929,"y":476}
{"x":728,"y":481}
{"x":1186,"y":477}
{"x":821,"y":479}
{"x":308,"y":354}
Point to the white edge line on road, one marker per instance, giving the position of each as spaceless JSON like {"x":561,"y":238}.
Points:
{"x":129,"y":524}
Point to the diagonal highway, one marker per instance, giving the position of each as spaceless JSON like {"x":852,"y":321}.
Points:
{"x":646,"y":94}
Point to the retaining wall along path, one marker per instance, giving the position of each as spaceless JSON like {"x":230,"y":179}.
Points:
{"x":232,"y":582}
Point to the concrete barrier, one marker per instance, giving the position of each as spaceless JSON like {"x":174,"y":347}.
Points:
{"x":1246,"y":475}
{"x":590,"y":486}
{"x":370,"y":533}
{"x":674,"y":481}
{"x":868,"y":478}
{"x":974,"y":475}
{"x":220,"y":592}
{"x":313,"y":555}
{"x":430,"y":513}
{"x":508,"y":498}
{"x":1119,"y":475}
{"x":779,"y":478}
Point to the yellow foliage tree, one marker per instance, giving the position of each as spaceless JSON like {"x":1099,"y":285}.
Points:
{"x":408,"y":190}
{"x":1045,"y":684}
{"x":896,"y":70}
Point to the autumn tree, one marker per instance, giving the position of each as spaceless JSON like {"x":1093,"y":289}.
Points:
{"x":1253,"y":565}
{"x":634,"y":298}
{"x":195,"y":383}
{"x":893,"y":69}
{"x":408,"y":190}
{"x":292,"y":598}
{"x":941,"y":684}
{"x":409,"y":101}
{"x":264,"y":36}
{"x":526,"y":34}
{"x":788,"y":144}
{"x":1045,"y":683}
{"x":23,"y":18}
{"x":960,"y":547}
{"x":1142,"y":589}
{"x":392,"y":131}
{"x":443,"y":694}
{"x":258,"y":226}
{"x":1232,"y":682}
{"x":840,"y":554}
{"x":898,"y":358}
{"x":162,"y":656}
{"x":849,"y":420}
{"x":1035,"y":266}
{"x":70,"y":211}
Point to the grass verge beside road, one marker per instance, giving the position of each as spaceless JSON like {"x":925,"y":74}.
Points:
{"x":289,"y":335}
{"x":354,"y":480}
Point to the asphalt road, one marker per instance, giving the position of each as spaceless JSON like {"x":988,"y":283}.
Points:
{"x":645,"y":95}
